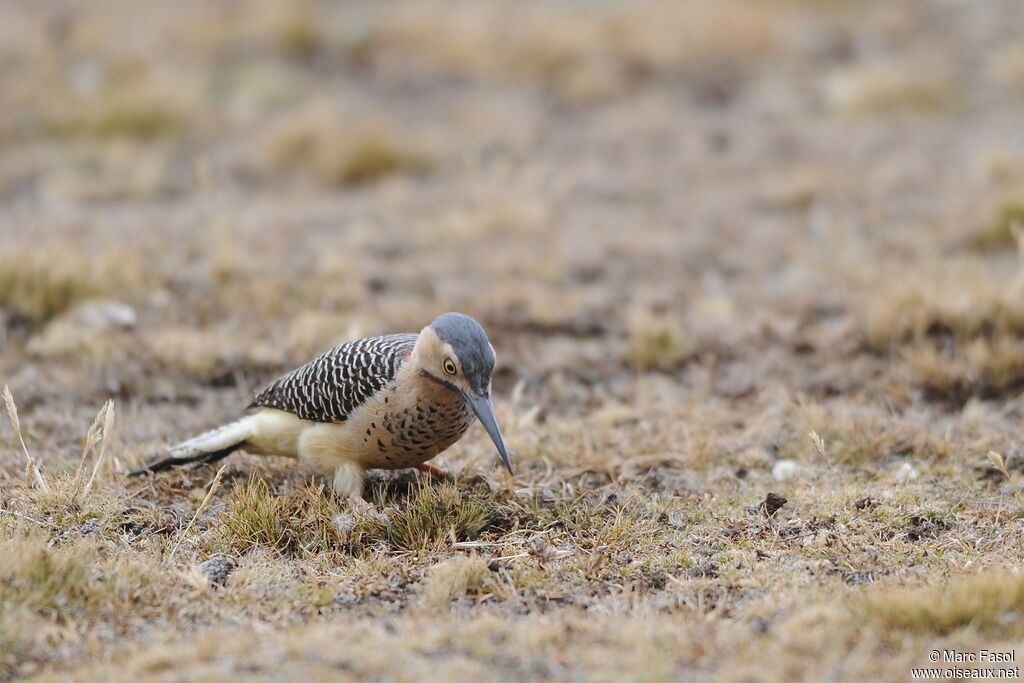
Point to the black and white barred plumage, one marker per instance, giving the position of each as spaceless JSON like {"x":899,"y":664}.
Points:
{"x":331,"y":386}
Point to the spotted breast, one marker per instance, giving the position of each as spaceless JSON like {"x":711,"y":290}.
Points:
{"x":409,"y":423}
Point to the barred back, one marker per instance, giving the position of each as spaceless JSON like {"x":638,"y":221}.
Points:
{"x":331,"y":386}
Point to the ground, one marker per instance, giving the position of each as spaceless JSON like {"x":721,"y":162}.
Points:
{"x":752,"y":269}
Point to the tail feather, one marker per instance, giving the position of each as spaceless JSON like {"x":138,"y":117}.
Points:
{"x":210,"y":446}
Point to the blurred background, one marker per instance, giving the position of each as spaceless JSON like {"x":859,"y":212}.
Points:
{"x":729,"y":252}
{"x":754,"y":198}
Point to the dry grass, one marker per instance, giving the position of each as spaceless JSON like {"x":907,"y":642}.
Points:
{"x":988,"y":603}
{"x":449,"y":579}
{"x":957,"y":328}
{"x":338,"y":151}
{"x":1004,"y":230}
{"x":1007,"y":65}
{"x":982,"y":367}
{"x":39,"y":285}
{"x":724,"y":249}
{"x":889,"y":88}
{"x":139,"y":116}
{"x":657,"y":342}
{"x":427,"y":518}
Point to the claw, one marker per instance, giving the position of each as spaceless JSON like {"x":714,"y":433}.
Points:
{"x":362,"y":509}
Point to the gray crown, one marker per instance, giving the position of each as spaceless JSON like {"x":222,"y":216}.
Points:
{"x":469,"y":341}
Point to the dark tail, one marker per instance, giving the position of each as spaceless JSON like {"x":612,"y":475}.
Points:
{"x":170,"y":462}
{"x":210,"y":446}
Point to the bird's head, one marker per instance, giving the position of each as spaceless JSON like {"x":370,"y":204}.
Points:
{"x":454,"y":351}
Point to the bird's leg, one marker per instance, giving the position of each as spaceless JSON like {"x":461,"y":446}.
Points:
{"x":348,"y":480}
{"x":348,"y":484}
{"x":433,"y":471}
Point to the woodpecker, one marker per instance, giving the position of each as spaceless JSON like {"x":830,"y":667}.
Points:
{"x":384,"y":402}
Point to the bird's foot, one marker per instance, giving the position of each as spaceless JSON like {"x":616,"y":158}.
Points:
{"x":434,"y":472}
{"x":479,"y":480}
{"x":360,"y":510}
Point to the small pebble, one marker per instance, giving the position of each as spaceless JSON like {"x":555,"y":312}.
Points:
{"x":217,"y":569}
{"x":784,"y":470}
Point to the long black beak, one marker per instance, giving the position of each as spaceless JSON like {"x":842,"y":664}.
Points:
{"x":484,"y":410}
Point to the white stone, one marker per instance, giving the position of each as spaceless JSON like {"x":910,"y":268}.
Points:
{"x":784,"y":470}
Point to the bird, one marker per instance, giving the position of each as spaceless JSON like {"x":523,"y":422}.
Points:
{"x":386,"y":402}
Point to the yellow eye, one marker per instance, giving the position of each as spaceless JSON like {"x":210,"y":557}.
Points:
{"x":449,"y":366}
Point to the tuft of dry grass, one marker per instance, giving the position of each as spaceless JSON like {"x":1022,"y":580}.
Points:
{"x":143,"y":111}
{"x":958,"y":332}
{"x":454,"y":577}
{"x":306,"y":520}
{"x":657,"y":341}
{"x":890,"y":87}
{"x":49,"y":581}
{"x":100,"y":432}
{"x":256,"y":518}
{"x":50,"y":592}
{"x":856,"y":435}
{"x":296,"y":34}
{"x":426,"y":517}
{"x":960,"y":299}
{"x":41,"y":285}
{"x":985,"y":368}
{"x":31,"y":467}
{"x":990,"y":602}
{"x":1004,"y":232}
{"x":337,"y":151}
